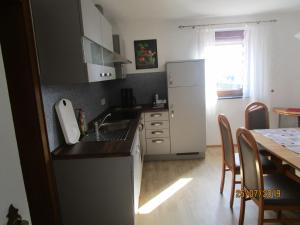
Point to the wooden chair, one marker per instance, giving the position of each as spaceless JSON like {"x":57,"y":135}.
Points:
{"x":272,"y":192}
{"x":231,"y":160}
{"x":256,"y":116}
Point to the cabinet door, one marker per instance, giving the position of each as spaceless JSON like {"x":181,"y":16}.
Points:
{"x":157,"y":124}
{"x":91,"y":21}
{"x":159,"y":115}
{"x":106,"y":28}
{"x":187,"y":119}
{"x":185,"y":74}
{"x":142,"y":135}
{"x":158,"y":146}
{"x":137,"y":170}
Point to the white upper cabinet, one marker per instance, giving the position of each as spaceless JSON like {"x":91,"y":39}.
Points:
{"x":91,"y":21}
{"x":75,"y":54}
{"x":95,"y":25}
{"x":106,"y":31}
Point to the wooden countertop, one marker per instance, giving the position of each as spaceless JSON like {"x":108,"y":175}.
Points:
{"x":103,"y":149}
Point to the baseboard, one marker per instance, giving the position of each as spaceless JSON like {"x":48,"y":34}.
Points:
{"x":200,"y":155}
{"x":216,"y":146}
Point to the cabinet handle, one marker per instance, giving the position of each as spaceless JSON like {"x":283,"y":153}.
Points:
{"x":157,"y":132}
{"x":156,"y":115}
{"x":158,"y":141}
{"x":156,"y":124}
{"x":141,"y":127}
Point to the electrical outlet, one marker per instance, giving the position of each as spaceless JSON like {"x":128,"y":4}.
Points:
{"x":103,"y":101}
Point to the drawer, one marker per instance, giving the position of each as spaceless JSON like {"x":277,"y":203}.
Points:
{"x":157,"y":125}
{"x":157,"y":133}
{"x":160,"y":115}
{"x":156,"y":146}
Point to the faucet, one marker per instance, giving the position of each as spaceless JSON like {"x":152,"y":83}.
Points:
{"x":98,"y":126}
{"x":104,"y":118}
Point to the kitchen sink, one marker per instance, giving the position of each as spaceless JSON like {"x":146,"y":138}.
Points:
{"x":110,"y":131}
{"x":114,"y":126}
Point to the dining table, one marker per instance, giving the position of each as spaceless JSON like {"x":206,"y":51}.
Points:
{"x":283,"y":144}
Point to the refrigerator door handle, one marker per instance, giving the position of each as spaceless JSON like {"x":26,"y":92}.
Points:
{"x":170,"y":79}
{"x":172,"y":113}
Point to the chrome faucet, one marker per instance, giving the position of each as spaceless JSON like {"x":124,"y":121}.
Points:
{"x":103,"y":120}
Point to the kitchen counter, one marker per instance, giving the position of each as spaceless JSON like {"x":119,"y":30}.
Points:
{"x":103,"y":149}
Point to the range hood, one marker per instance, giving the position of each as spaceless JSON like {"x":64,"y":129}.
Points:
{"x":120,"y":68}
{"x":117,"y":58}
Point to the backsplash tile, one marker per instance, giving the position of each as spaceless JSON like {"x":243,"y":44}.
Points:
{"x":87,"y":96}
{"x":144,"y":86}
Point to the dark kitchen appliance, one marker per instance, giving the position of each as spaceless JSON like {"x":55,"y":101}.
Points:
{"x":127,"y":98}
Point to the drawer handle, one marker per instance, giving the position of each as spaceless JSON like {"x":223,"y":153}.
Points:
{"x":156,"y":115}
{"x":158,"y":141}
{"x":157,"y":132}
{"x":156,"y":124}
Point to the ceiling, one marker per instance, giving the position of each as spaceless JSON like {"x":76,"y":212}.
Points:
{"x":185,"y":9}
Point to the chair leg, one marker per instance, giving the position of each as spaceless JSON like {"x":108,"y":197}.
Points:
{"x":279,"y":214}
{"x":260,"y":216}
{"x":232,"y":190}
{"x":222,"y":178}
{"x":242,"y":211}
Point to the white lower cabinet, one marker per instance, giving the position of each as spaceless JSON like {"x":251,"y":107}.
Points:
{"x":142,"y":133}
{"x":156,"y":124}
{"x":158,"y":146}
{"x":137,"y":170}
{"x":157,"y":132}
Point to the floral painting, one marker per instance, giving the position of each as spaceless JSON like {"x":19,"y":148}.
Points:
{"x":145,"y":54}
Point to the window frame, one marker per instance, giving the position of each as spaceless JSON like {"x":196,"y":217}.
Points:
{"x":234,"y":93}
{"x":231,"y":93}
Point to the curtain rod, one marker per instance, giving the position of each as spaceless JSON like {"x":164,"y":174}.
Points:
{"x":216,"y":24}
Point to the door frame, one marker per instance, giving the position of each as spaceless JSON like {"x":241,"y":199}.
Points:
{"x":23,"y":81}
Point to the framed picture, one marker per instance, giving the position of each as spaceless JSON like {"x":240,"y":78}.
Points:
{"x":145,"y":54}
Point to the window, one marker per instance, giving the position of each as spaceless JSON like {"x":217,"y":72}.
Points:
{"x":229,"y":62}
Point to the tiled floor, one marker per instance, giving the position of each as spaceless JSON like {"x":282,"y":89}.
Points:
{"x":199,"y":202}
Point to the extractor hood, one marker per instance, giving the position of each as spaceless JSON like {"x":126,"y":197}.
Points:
{"x":117,"y":58}
{"x":120,"y":68}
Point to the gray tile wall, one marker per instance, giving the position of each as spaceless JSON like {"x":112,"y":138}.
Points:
{"x":144,"y":86}
{"x":88,"y":96}
{"x":85,"y":96}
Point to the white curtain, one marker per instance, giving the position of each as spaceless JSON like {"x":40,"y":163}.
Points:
{"x":204,"y":39}
{"x":257,"y":79}
{"x":257,"y":72}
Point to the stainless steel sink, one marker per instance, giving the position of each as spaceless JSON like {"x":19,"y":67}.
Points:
{"x":114,"y":126}
{"x":110,"y":131}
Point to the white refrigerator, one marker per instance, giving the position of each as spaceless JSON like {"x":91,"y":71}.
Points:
{"x":186,"y":93}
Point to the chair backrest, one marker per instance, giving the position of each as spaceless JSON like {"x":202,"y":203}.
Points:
{"x":256,"y":116}
{"x":227,"y":142}
{"x":251,"y":169}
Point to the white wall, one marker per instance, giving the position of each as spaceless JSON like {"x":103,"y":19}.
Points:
{"x":12,"y":190}
{"x":175,"y":44}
